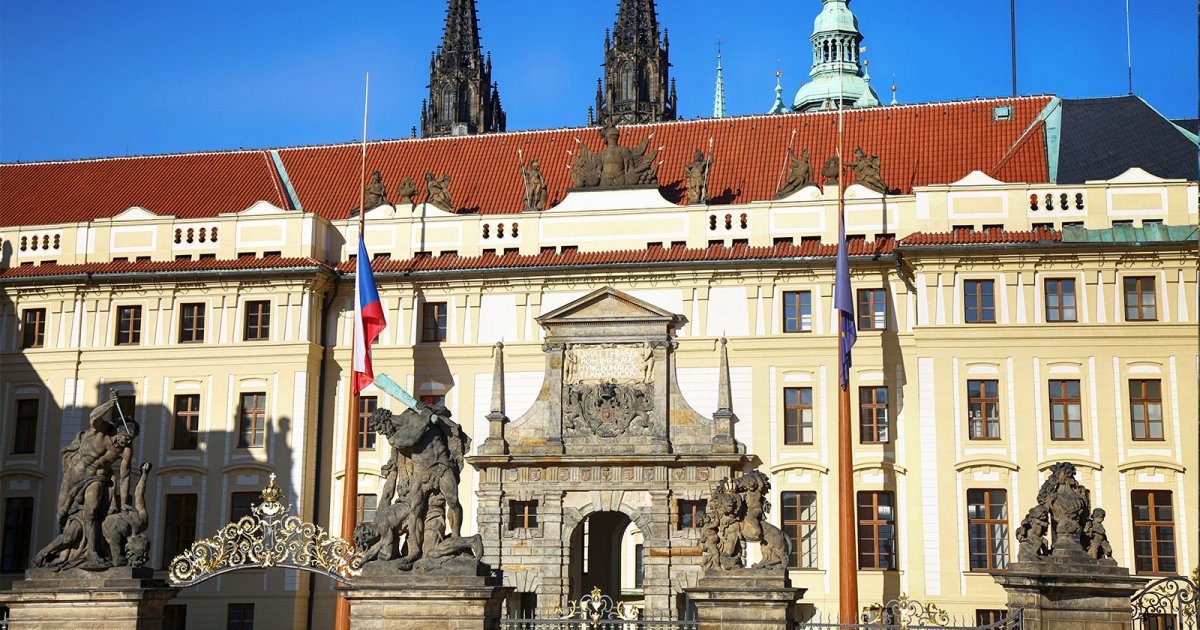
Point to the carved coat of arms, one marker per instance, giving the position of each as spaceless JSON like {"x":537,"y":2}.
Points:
{"x":608,"y":409}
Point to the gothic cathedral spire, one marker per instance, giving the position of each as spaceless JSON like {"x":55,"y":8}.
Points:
{"x":636,"y":86}
{"x":462,"y":97}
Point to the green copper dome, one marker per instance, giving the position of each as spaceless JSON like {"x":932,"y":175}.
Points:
{"x":837,"y":74}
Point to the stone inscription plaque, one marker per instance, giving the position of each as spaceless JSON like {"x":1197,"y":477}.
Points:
{"x":609,"y":363}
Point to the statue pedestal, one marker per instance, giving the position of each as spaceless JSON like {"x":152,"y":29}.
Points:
{"x":745,"y":599}
{"x":121,"y":598}
{"x":388,"y":600}
{"x":1068,"y":591}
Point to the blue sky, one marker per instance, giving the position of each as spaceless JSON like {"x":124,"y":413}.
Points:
{"x":89,"y":79}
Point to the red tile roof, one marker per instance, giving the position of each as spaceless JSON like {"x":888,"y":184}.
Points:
{"x":187,"y":185}
{"x":660,"y":255}
{"x":162,"y":266}
{"x":991,"y":236}
{"x":935,"y":143}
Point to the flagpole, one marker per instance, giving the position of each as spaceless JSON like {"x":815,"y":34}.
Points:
{"x":350,"y":478}
{"x":847,"y":533}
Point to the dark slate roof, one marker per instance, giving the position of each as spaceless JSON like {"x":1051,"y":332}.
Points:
{"x":1104,"y":137}
{"x":1191,"y":124}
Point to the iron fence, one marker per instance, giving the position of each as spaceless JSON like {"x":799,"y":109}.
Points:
{"x":596,"y":611}
{"x":1168,"y":603}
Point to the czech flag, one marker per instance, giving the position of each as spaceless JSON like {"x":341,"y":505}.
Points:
{"x":844,"y":303}
{"x":368,"y":319}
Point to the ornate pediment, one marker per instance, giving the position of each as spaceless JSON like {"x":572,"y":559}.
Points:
{"x":608,"y":303}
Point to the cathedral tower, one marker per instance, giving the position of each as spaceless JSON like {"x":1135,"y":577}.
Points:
{"x":636,"y":69}
{"x":462,"y":97}
{"x":837,"y":70}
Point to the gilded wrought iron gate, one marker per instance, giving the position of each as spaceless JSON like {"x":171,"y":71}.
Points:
{"x":1167,"y":604}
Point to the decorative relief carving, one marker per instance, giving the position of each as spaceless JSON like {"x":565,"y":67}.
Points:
{"x":607,"y":409}
{"x":609,"y":363}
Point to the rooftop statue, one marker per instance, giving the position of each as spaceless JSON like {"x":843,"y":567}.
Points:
{"x":696,"y":175}
{"x":800,"y":174}
{"x":100,"y":524}
{"x":866,"y":171}
{"x":535,"y":186}
{"x":831,"y":172}
{"x":615,"y":166}
{"x":407,"y":190}
{"x":737,"y":514}
{"x":420,"y":492}
{"x":374,"y":194}
{"x":437,"y":190}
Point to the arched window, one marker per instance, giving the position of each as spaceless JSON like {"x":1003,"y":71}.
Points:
{"x":448,"y":103}
{"x":625,"y":91}
{"x":825,"y":51}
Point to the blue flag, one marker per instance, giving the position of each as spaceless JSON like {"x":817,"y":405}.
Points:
{"x":844,"y":304}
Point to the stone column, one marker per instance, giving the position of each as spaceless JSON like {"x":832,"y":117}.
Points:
{"x":121,"y":598}
{"x":425,"y":602}
{"x":1069,"y":596}
{"x":745,"y":600}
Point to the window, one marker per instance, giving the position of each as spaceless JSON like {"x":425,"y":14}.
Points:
{"x":1153,"y":532}
{"x":797,"y":311}
{"x":433,"y":399}
{"x":1139,"y":299}
{"x":175,"y":617}
{"x":691,"y":513}
{"x":191,"y":323}
{"x":873,"y":415}
{"x":366,"y":437}
{"x":988,"y":616}
{"x":522,"y":515}
{"x":433,"y":321}
{"x":979,"y":301}
{"x":1159,"y":621}
{"x":1066,"y":416}
{"x":33,"y":328}
{"x":639,"y":565}
{"x":187,"y":422}
{"x":872,"y":309}
{"x":253,"y":420}
{"x":1145,"y":409}
{"x":987,"y":529}
{"x":179,"y":528}
{"x":241,"y":504}
{"x":127,"y":405}
{"x":258,"y":320}
{"x":241,"y":617}
{"x":18,"y":530}
{"x":129,"y":325}
{"x":25,"y":431}
{"x":1060,"y":300}
{"x":366,"y":508}
{"x":983,"y":410}
{"x":800,"y":525}
{"x":876,"y":530}
{"x":797,"y":415}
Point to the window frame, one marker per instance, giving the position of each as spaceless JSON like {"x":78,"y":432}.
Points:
{"x":873,"y":526}
{"x":1060,"y":308}
{"x":242,"y":623}
{"x":362,"y":510}
{"x":984,"y":401}
{"x":366,"y":437}
{"x":871,"y":409}
{"x":692,"y":510}
{"x":435,"y":322}
{"x":1155,"y":528}
{"x":198,"y":315}
{"x":800,"y":531}
{"x":522,"y":515}
{"x":177,"y":528}
{"x":794,"y":417}
{"x":38,"y":335}
{"x":25,"y":429}
{"x":980,"y":311}
{"x":260,"y":329}
{"x":1141,"y":292}
{"x":1145,"y":401}
{"x":1065,"y":403}
{"x":15,"y":552}
{"x":796,"y":300}
{"x":241,"y":504}
{"x":130,"y":335}
{"x":874,"y":298}
{"x":988,"y":521}
{"x":257,"y":432}
{"x":186,"y":417}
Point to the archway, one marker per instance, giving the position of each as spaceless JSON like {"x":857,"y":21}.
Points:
{"x":598,"y":555}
